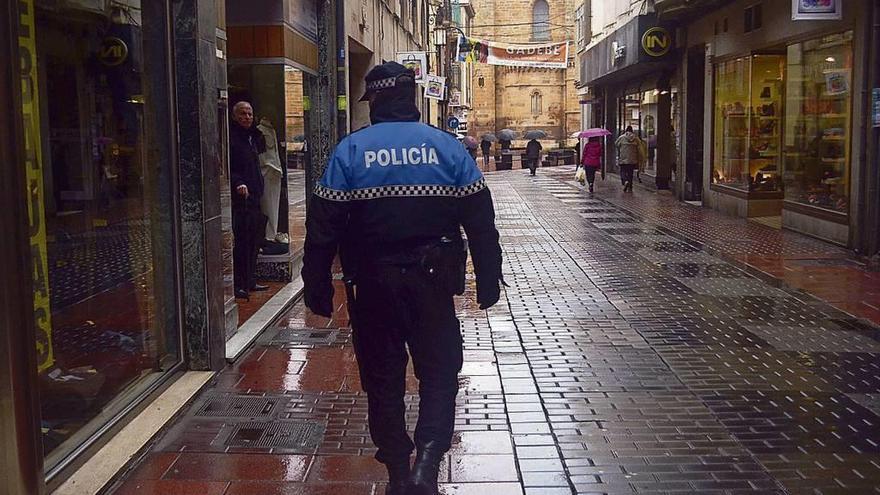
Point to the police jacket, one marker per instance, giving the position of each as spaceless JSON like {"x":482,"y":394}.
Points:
{"x":391,"y":188}
{"x":245,"y":146}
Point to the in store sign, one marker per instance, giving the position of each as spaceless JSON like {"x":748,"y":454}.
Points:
{"x":618,"y":51}
{"x":113,"y":52}
{"x":657,"y":41}
{"x":875,"y":105}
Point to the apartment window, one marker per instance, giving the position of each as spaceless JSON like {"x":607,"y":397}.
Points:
{"x":579,"y":23}
{"x":541,"y":20}
{"x":537,"y":103}
{"x":752,"y":18}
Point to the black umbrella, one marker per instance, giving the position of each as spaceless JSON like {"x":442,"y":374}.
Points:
{"x":535,"y":134}
{"x":489,"y":137}
{"x":507,"y":134}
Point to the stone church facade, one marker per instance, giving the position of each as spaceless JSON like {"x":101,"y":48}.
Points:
{"x":525,"y":98}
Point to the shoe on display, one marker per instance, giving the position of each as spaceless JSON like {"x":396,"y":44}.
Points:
{"x":259,"y":288}
{"x":241,"y":294}
{"x":282,"y":238}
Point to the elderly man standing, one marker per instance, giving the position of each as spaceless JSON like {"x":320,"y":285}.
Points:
{"x":246,"y":183}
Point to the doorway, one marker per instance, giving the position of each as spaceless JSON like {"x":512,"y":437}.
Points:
{"x":695,"y":108}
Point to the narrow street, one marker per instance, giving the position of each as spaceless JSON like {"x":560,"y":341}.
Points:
{"x":643,"y":346}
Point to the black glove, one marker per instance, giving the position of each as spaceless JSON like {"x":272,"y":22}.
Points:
{"x":488,"y":292}
{"x":319,"y":299}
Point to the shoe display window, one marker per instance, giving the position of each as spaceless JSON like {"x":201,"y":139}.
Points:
{"x":747,"y":123}
{"x":818,"y":122}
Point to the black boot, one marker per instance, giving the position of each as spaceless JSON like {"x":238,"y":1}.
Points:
{"x":398,"y":476}
{"x":426,"y":469}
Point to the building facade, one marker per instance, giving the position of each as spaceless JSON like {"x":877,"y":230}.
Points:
{"x":525,"y":98}
{"x":754,"y":108}
{"x":116,"y":204}
{"x":377,"y":31}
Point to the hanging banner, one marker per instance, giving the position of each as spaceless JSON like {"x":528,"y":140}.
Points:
{"x":549,"y":56}
{"x":435,"y":87}
{"x":30,"y":110}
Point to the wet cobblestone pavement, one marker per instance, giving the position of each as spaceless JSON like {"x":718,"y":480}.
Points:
{"x":624,"y":358}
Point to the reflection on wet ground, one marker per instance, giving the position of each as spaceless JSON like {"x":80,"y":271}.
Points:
{"x":626,"y":357}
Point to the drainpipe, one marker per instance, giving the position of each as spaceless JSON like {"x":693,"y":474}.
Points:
{"x":869,"y":224}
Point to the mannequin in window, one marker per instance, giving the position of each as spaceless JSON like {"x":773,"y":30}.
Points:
{"x":270,"y":167}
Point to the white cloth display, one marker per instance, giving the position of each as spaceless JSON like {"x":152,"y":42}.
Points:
{"x":270,"y":166}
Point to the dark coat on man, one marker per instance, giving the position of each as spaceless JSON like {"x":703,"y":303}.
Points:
{"x":245,"y":146}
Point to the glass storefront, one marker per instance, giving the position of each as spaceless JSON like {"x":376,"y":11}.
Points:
{"x":98,"y":135}
{"x":818,"y":102}
{"x":748,"y":111}
{"x":640,"y":110}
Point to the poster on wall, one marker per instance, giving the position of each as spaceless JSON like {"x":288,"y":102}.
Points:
{"x":417,"y":61}
{"x":816,"y":10}
{"x":435,"y":87}
{"x":837,"y":82}
{"x":455,"y":98}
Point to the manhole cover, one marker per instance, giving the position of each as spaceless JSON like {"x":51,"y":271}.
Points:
{"x":238,"y":407}
{"x":287,"y":435}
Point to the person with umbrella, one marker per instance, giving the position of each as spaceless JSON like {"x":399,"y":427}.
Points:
{"x":592,"y":159}
{"x":470,"y":143}
{"x":533,"y":149}
{"x":486,"y":146}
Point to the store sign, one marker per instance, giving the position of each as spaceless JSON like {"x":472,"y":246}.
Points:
{"x":416,"y":61}
{"x":30,"y":109}
{"x":618,"y":51}
{"x":875,"y":105}
{"x":816,"y":10}
{"x":656,"y":42}
{"x":549,"y":56}
{"x":113,"y":52}
{"x":435,"y":87}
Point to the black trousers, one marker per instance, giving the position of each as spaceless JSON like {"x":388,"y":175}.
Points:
{"x":626,"y":172}
{"x":398,"y":307}
{"x":591,"y":174}
{"x":531,"y":164}
{"x":248,"y":229}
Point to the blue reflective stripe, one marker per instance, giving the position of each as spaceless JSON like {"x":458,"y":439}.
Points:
{"x":399,"y":159}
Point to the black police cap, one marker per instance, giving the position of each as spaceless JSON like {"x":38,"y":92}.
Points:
{"x":387,"y":76}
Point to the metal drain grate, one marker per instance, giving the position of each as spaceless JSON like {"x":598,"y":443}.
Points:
{"x":238,"y":407}
{"x":824,"y":262}
{"x":305,"y":336}
{"x":287,"y":435}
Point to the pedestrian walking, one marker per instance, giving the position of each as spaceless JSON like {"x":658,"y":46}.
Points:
{"x":592,"y":159}
{"x":486,"y":147}
{"x":533,"y":155}
{"x":627,"y":156}
{"x":246,"y":142}
{"x":393,"y":199}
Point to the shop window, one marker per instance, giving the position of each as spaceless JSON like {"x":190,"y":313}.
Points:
{"x":537,"y":103}
{"x":541,"y":21}
{"x":747,"y":130}
{"x":817,"y":122}
{"x":104,"y":265}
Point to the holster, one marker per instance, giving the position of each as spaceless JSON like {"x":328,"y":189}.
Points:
{"x":446,"y":262}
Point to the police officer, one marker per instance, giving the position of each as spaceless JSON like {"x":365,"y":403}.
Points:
{"x":393,"y":200}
